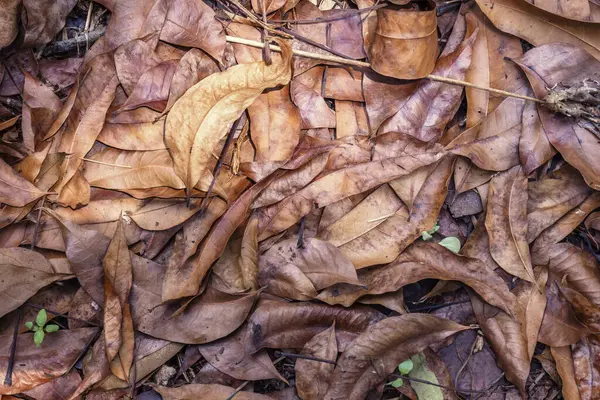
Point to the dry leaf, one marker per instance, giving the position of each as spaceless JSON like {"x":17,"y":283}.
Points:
{"x":199,"y":391}
{"x":312,"y":377}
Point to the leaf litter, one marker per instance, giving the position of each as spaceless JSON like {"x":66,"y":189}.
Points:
{"x":299,"y":199}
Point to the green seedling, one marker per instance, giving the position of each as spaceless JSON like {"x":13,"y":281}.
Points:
{"x":404,"y":367}
{"x":428,"y":235}
{"x":40,"y":328}
{"x":451,"y":243}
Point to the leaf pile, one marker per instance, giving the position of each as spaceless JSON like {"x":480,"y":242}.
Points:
{"x":198,"y":217}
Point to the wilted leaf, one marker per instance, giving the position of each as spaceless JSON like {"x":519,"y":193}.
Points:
{"x":314,"y":111}
{"x":566,"y":370}
{"x":38,"y":365}
{"x":404,"y":45}
{"x":216,"y":105}
{"x":506,"y":223}
{"x":15,"y":190}
{"x":312,"y":377}
{"x":422,"y":261}
{"x":23,"y":272}
{"x":44,"y":19}
{"x":199,"y":391}
{"x":153,"y":87}
{"x":285,"y":269}
{"x":118,"y":326}
{"x":539,"y":27}
{"x":587,"y":373}
{"x":368,"y":360}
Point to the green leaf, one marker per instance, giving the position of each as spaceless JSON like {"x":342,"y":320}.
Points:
{"x":35,"y":328}
{"x":427,"y":235}
{"x":51,"y":328}
{"x":38,"y":337}
{"x":29,"y":325}
{"x":397,"y":383}
{"x":420,"y":371}
{"x":451,"y":243}
{"x":405,"y":366}
{"x":41,"y":318}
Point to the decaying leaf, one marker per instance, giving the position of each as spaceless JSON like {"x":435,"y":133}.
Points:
{"x":312,"y":377}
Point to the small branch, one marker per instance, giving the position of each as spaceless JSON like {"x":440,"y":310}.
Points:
{"x":346,"y":14}
{"x":304,"y":357}
{"x":314,"y":44}
{"x":220,"y":161}
{"x":300,"y":242}
{"x":437,"y":306}
{"x":13,"y":350}
{"x":68,"y":45}
{"x":436,"y":384}
{"x":254,"y":19}
{"x":362,"y":64}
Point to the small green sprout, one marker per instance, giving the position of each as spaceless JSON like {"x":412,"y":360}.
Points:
{"x":451,"y":243}
{"x":404,"y":367}
{"x":427,"y":235}
{"x":40,"y":328}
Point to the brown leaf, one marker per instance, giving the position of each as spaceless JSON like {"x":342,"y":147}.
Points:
{"x":216,"y":106}
{"x":15,"y":190}
{"x":58,"y":388}
{"x":37,"y":365}
{"x":248,"y":260}
{"x":312,"y":377}
{"x":183,"y":277}
{"x":208,"y":317}
{"x":408,"y":154}
{"x":506,"y":223}
{"x":493,"y":143}
{"x":60,"y":73}
{"x":539,"y":27}
{"x":99,"y":211}
{"x":367,"y":361}
{"x":424,"y":261}
{"x":86,"y":118}
{"x":40,"y":108}
{"x":490,"y":68}
{"x":585,"y":359}
{"x":566,"y":370}
{"x":534,"y":147}
{"x":192,"y":23}
{"x":551,"y":198}
{"x":130,"y":170}
{"x":136,"y":136}
{"x":566,"y":65}
{"x":405,"y":42}
{"x":340,"y":83}
{"x":439,"y":99}
{"x":133,"y":59}
{"x":277,"y":324}
{"x":593,"y":221}
{"x":199,"y":391}
{"x":194,"y":66}
{"x":284,"y":269}
{"x":24,"y":272}
{"x":118,"y":326}
{"x":268,"y":6}
{"x":367,"y":215}
{"x":85,"y":250}
{"x":44,"y":19}
{"x":153,"y":87}
{"x":9,"y":23}
{"x":564,"y":226}
{"x":384,"y":243}
{"x":581,"y":10}
{"x":351,"y":119}
{"x":314,"y":111}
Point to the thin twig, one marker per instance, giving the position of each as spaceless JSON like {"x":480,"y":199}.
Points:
{"x":300,"y":242}
{"x":13,"y":351}
{"x":243,"y":385}
{"x":38,"y":307}
{"x":304,"y":357}
{"x":321,"y":46}
{"x":346,"y":14}
{"x":437,"y":306}
{"x":254,"y":19}
{"x":362,"y":64}
{"x":217,"y":169}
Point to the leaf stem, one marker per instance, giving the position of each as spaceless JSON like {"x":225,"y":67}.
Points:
{"x":13,"y":350}
{"x":304,"y":357}
{"x":362,"y":64}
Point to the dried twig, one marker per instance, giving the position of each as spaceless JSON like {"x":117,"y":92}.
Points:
{"x":300,"y":242}
{"x":304,"y":357}
{"x":68,"y":45}
{"x":362,"y":64}
{"x":13,"y":350}
{"x":436,"y":384}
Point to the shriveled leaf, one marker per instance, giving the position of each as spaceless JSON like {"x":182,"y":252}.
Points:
{"x":566,"y":65}
{"x":404,"y":45}
{"x":199,"y":391}
{"x":399,"y":155}
{"x":285,"y":269}
{"x":118,"y":326}
{"x":367,"y":362}
{"x":506,"y":223}
{"x":216,"y":106}
{"x":539,"y":27}
{"x":423,"y":261}
{"x":38,"y":365}
{"x":312,"y":377}
{"x":15,"y":190}
{"x":152,"y":89}
{"x":24,"y":272}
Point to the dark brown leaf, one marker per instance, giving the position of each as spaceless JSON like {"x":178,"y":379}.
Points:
{"x":312,"y":377}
